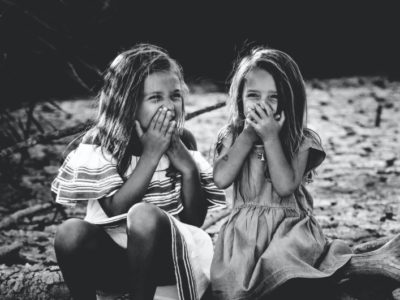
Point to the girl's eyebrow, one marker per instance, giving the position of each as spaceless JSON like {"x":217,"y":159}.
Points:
{"x":253,"y":91}
{"x":153,"y":93}
{"x":259,"y":91}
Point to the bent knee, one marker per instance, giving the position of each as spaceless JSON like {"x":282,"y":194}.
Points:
{"x":145,"y":218}
{"x":72,"y":235}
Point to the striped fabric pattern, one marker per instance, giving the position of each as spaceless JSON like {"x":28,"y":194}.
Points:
{"x":185,"y":279}
{"x":95,"y":178}
{"x":88,"y":173}
{"x":215,"y":196}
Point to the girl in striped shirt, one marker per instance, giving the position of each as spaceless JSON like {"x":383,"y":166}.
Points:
{"x":147,"y":188}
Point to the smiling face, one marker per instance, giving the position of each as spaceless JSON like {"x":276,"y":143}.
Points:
{"x":259,"y":87}
{"x":160,"y":89}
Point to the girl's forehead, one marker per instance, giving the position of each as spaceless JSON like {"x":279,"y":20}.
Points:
{"x":257,"y":77}
{"x":160,"y":80}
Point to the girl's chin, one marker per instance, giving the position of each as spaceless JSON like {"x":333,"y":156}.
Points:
{"x":258,"y":141}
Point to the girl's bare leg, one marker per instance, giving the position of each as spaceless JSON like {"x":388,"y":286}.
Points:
{"x":89,"y":259}
{"x":149,"y":250}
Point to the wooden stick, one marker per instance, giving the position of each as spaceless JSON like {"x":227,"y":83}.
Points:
{"x":204,"y":110}
{"x":12,"y":219}
{"x":378,"y":115}
{"x":43,"y":139}
{"x":371,"y":245}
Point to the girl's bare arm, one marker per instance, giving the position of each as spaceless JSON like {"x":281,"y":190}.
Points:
{"x":230,"y":160}
{"x":193,"y":198}
{"x":155,"y":142}
{"x":285,"y":176}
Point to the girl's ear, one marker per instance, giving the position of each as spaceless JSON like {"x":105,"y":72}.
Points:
{"x":282,"y":119}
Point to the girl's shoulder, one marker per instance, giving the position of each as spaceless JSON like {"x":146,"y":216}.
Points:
{"x":224,"y":138}
{"x":312,"y":143}
{"x":88,"y":173}
{"x":90,"y":156}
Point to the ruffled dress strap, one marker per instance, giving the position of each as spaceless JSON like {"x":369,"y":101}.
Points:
{"x":88,"y":173}
{"x":316,"y":153}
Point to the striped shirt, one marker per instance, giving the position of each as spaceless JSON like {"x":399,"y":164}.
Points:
{"x":89,"y":173}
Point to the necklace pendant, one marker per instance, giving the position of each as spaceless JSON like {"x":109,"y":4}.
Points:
{"x":260,"y":156}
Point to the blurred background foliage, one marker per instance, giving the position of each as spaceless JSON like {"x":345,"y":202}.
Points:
{"x":57,"y":49}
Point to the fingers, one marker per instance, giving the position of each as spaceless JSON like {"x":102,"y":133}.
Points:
{"x":253,"y":115}
{"x":266,"y":108}
{"x":138,"y":128}
{"x":161,"y":118}
{"x":251,"y":122}
{"x":171,"y":129}
{"x":166,"y":122}
{"x":261,"y":110}
{"x":154,"y":120}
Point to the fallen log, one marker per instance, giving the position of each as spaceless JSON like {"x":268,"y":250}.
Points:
{"x":26,"y":212}
{"x":371,"y":245}
{"x":32,"y":282}
{"x":43,"y":282}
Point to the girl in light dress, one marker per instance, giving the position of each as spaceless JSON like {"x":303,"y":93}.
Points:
{"x":271,"y":245}
{"x":146,"y":186}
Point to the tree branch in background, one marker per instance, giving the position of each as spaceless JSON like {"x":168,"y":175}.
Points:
{"x":49,"y":137}
{"x":29,"y":211}
{"x":204,"y":110}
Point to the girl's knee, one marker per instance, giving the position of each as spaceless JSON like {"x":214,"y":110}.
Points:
{"x":72,"y":236}
{"x":145,"y":219}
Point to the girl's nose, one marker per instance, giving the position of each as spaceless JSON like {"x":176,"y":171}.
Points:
{"x":170,"y":105}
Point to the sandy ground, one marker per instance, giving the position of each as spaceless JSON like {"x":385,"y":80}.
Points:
{"x":356,"y":192}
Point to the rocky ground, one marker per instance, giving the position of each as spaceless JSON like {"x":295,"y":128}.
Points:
{"x":356,"y":191}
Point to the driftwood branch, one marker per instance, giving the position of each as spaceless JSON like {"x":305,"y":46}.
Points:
{"x":41,"y":282}
{"x":371,"y":245}
{"x":48,"y":137}
{"x":12,"y":219}
{"x":204,"y":110}
{"x":43,"y":139}
{"x":32,"y":282}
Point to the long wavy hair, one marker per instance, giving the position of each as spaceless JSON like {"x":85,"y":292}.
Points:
{"x":121,"y":96}
{"x":291,"y":97}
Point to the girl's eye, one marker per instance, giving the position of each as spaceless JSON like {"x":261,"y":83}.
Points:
{"x":177,"y":97}
{"x":252,"y":95}
{"x":155,"y":98}
{"x":273,"y":99}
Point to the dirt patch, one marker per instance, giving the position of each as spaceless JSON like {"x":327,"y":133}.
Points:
{"x":356,"y":192}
